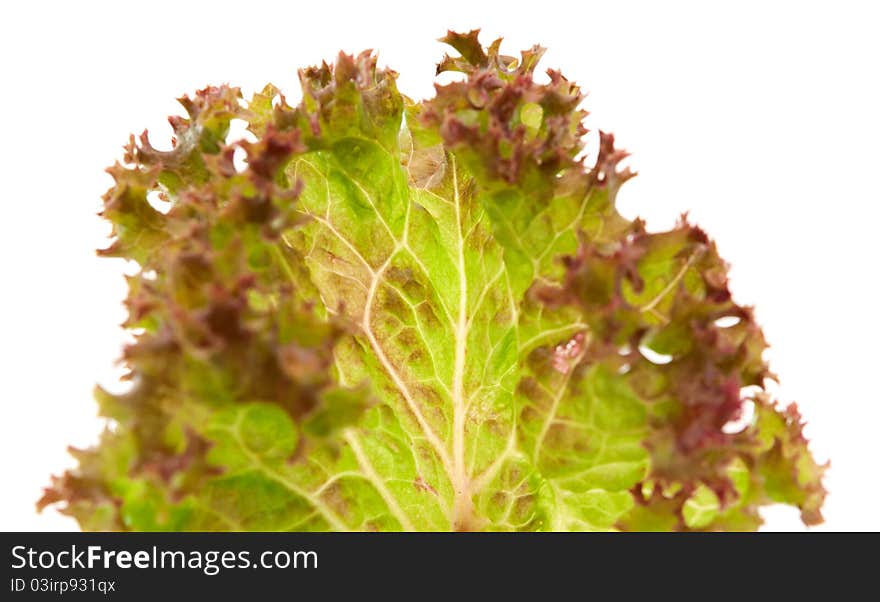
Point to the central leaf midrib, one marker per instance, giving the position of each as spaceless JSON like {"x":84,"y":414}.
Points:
{"x":453,"y":460}
{"x":460,"y":481}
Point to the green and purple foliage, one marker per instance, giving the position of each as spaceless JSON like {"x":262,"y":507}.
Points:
{"x":429,"y":315}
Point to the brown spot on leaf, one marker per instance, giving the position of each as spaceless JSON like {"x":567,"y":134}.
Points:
{"x":423,"y":485}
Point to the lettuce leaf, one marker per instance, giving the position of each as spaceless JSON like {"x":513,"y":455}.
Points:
{"x":400,"y":315}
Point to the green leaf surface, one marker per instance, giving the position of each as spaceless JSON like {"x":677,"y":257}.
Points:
{"x":427,"y":315}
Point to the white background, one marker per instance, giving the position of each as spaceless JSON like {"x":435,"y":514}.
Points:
{"x":761,"y":119}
